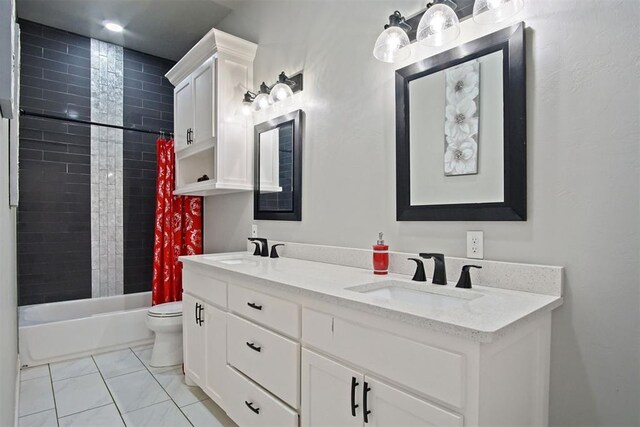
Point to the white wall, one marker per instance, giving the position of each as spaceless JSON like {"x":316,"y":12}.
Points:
{"x":583,"y":161}
{"x":8,"y":288}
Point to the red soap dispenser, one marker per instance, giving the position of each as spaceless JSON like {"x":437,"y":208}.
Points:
{"x":380,"y":256}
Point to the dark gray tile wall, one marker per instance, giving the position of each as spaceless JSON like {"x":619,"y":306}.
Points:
{"x":148,"y":103}
{"x":54,"y":221}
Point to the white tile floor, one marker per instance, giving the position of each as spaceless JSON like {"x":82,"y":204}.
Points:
{"x":114,"y":389}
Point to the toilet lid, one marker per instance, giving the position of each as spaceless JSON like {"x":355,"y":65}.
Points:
{"x":168,"y":309}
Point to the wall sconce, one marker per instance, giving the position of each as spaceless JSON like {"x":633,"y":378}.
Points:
{"x":437,"y":25}
{"x":284,"y":88}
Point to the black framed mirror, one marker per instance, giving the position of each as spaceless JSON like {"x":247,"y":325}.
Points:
{"x":277,"y":191}
{"x":461,"y":133}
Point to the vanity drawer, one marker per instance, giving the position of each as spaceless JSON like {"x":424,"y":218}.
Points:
{"x":278,"y":314}
{"x":267,"y":411}
{"x":268,"y":358}
{"x":204,"y":287}
{"x":427,"y":369}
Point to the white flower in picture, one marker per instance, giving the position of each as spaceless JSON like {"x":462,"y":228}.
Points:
{"x":461,"y":157}
{"x":460,"y":119}
{"x":463,"y":82}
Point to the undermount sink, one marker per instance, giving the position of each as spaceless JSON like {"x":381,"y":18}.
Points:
{"x":233,"y":259}
{"x":433,"y":296}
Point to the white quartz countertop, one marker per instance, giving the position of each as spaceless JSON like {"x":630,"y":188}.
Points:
{"x":483,"y":317}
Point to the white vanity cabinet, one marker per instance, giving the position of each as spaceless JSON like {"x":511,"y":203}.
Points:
{"x":212,"y":136}
{"x":270,"y":357}
{"x":335,"y":395}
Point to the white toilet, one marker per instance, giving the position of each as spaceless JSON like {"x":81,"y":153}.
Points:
{"x":166,"y":321}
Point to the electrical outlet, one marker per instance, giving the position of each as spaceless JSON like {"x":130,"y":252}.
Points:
{"x":475,"y":244}
{"x":254,"y":230}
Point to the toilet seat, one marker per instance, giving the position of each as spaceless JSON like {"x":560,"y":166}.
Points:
{"x":168,"y":309}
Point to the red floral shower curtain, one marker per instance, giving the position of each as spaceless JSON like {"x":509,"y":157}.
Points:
{"x":178,"y":228}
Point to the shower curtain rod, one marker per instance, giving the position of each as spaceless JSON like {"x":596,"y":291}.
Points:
{"x":86,"y":122}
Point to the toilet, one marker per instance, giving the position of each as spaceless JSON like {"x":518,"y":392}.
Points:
{"x":166,"y":321}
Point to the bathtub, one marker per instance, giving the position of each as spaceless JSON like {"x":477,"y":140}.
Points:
{"x":58,"y":331}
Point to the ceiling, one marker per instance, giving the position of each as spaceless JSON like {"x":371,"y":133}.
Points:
{"x":164,"y":28}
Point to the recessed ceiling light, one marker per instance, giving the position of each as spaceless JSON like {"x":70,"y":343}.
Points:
{"x":112,"y":26}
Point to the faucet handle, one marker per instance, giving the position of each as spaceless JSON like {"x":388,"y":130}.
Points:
{"x":274,"y":252}
{"x":258,"y":245}
{"x":465,"y":278}
{"x":419,"y":275}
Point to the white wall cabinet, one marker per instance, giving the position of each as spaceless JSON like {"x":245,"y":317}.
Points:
{"x":212,"y":136}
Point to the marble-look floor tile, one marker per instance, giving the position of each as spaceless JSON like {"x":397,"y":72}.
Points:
{"x":34,"y":372}
{"x":136,"y":390}
{"x":104,"y":416}
{"x":40,"y":419}
{"x":165,"y":414}
{"x":118,"y":363}
{"x":207,"y":414}
{"x":78,"y":394}
{"x":144,"y":354}
{"x":72,"y":368}
{"x":35,"y":396}
{"x":173,"y":383}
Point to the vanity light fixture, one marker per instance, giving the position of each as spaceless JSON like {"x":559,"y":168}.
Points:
{"x":283,"y":89}
{"x":392,"y":44}
{"x":492,"y":11}
{"x":439,"y":25}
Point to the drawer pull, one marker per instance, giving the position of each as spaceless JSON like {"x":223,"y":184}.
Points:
{"x":354,"y":405}
{"x":254,"y":347}
{"x":253,"y":305}
{"x":365,"y":411}
{"x":250,"y":406}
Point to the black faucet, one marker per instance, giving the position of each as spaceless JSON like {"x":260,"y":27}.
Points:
{"x":465,"y":278}
{"x":419,"y":275}
{"x":264,"y":252}
{"x":439,"y":270}
{"x":274,"y":252}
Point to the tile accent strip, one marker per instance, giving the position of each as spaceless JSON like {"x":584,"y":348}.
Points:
{"x":539,"y":279}
{"x":106,"y":170}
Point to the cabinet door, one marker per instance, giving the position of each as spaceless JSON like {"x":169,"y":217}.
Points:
{"x":392,"y":407}
{"x":203,"y":95}
{"x":194,"y":338}
{"x":183,"y":112}
{"x":216,"y":339}
{"x":327,"y":389}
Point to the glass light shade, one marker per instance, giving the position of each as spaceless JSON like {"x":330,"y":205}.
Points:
{"x":492,"y":11}
{"x":262,"y":102}
{"x":392,"y":45}
{"x":439,"y":25}
{"x":280,"y":92}
{"x":247,"y":108}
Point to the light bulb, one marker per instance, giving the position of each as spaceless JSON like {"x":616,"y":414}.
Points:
{"x":439,"y":25}
{"x":246,"y":109}
{"x":280,"y":92}
{"x":493,"y":11}
{"x":262,"y":102}
{"x":392,"y":45}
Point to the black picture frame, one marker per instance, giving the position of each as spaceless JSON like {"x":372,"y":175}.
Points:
{"x":514,"y":207}
{"x":295,"y":214}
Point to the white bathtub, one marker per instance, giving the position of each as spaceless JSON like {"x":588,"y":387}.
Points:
{"x":64,"y":330}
